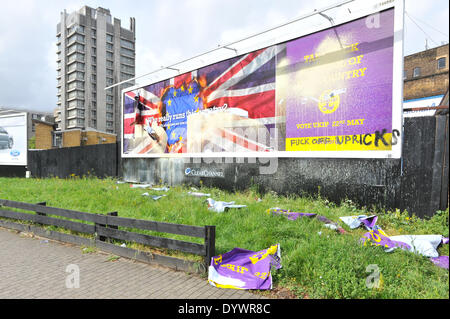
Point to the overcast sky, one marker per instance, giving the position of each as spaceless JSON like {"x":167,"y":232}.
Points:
{"x":167,"y":31}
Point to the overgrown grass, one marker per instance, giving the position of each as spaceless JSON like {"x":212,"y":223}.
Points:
{"x":317,"y":262}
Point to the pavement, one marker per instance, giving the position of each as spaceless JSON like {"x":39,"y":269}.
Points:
{"x":32,"y":267}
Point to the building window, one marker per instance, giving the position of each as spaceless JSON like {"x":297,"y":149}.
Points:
{"x":416,"y":72}
{"x":405,"y":74}
{"x":127,"y":44}
{"x":57,"y":139}
{"x":109,"y":38}
{"x":441,"y":63}
{"x":109,"y":47}
{"x":109,"y":55}
{"x":109,"y":124}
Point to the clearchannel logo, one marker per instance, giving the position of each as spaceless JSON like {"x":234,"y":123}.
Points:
{"x":203,"y":172}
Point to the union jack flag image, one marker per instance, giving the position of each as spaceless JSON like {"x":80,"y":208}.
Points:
{"x":212,"y":108}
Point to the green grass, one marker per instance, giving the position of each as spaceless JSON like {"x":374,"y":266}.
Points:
{"x":329,"y":265}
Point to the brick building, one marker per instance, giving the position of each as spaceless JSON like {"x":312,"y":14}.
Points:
{"x":48,"y":137}
{"x":425,"y":80}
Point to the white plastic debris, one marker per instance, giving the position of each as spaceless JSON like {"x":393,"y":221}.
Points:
{"x":154,"y":197}
{"x":140,"y":185}
{"x":163,"y":189}
{"x":331,"y":226}
{"x":197,"y":194}
{"x":425,"y":245}
{"x":220,"y":207}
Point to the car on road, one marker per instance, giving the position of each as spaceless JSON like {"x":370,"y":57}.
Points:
{"x":6,"y":141}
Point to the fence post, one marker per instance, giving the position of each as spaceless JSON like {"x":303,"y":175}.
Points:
{"x":113,"y":227}
{"x":41,"y":214}
{"x":210,"y":243}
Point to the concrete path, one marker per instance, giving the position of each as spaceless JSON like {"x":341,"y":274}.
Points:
{"x":33,"y":267}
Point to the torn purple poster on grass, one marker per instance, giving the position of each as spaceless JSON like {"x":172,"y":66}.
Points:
{"x":244,"y":269}
{"x":294,"y":215}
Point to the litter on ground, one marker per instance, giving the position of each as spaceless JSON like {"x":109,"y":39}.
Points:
{"x":140,"y":185}
{"x":220,"y":207}
{"x":294,"y":215}
{"x":244,"y":269}
{"x":197,"y":194}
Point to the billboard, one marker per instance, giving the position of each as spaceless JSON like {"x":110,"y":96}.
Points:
{"x":13,"y":139}
{"x":335,"y":92}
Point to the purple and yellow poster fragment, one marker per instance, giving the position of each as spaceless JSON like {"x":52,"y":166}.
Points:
{"x":244,"y":269}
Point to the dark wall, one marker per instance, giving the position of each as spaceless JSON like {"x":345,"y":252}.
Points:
{"x":418,"y":182}
{"x":12,"y":171}
{"x":95,"y":160}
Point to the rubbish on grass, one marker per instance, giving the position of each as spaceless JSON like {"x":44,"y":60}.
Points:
{"x":220,"y":207}
{"x":163,"y":189}
{"x":425,"y":245}
{"x":356,"y":221}
{"x":123,"y":245}
{"x":154,"y":197}
{"x":140,"y":185}
{"x":441,"y":261}
{"x":290,"y":215}
{"x":294,"y":215}
{"x":244,"y":269}
{"x":331,"y":226}
{"x":120,"y":182}
{"x":196,"y":194}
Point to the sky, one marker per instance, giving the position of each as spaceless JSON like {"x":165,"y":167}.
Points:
{"x":167,"y":31}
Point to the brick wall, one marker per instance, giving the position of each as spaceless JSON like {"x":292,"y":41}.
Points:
{"x":432,"y":81}
{"x":43,"y":136}
{"x":93,"y":137}
{"x":72,"y":138}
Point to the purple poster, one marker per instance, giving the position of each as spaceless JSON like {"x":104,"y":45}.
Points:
{"x":336,"y":87}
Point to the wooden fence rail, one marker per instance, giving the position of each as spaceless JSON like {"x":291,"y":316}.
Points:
{"x":106,"y":227}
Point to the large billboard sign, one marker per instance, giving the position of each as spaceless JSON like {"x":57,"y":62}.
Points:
{"x":13,"y":139}
{"x":335,"y":92}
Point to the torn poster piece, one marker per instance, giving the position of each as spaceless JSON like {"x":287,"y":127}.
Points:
{"x":290,"y":215}
{"x":356,"y":221}
{"x":294,"y":215}
{"x":162,"y":189}
{"x":425,"y":245}
{"x":245,"y":269}
{"x":441,"y":261}
{"x":140,"y":185}
{"x":197,"y":194}
{"x":220,"y":207}
{"x":154,"y":197}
